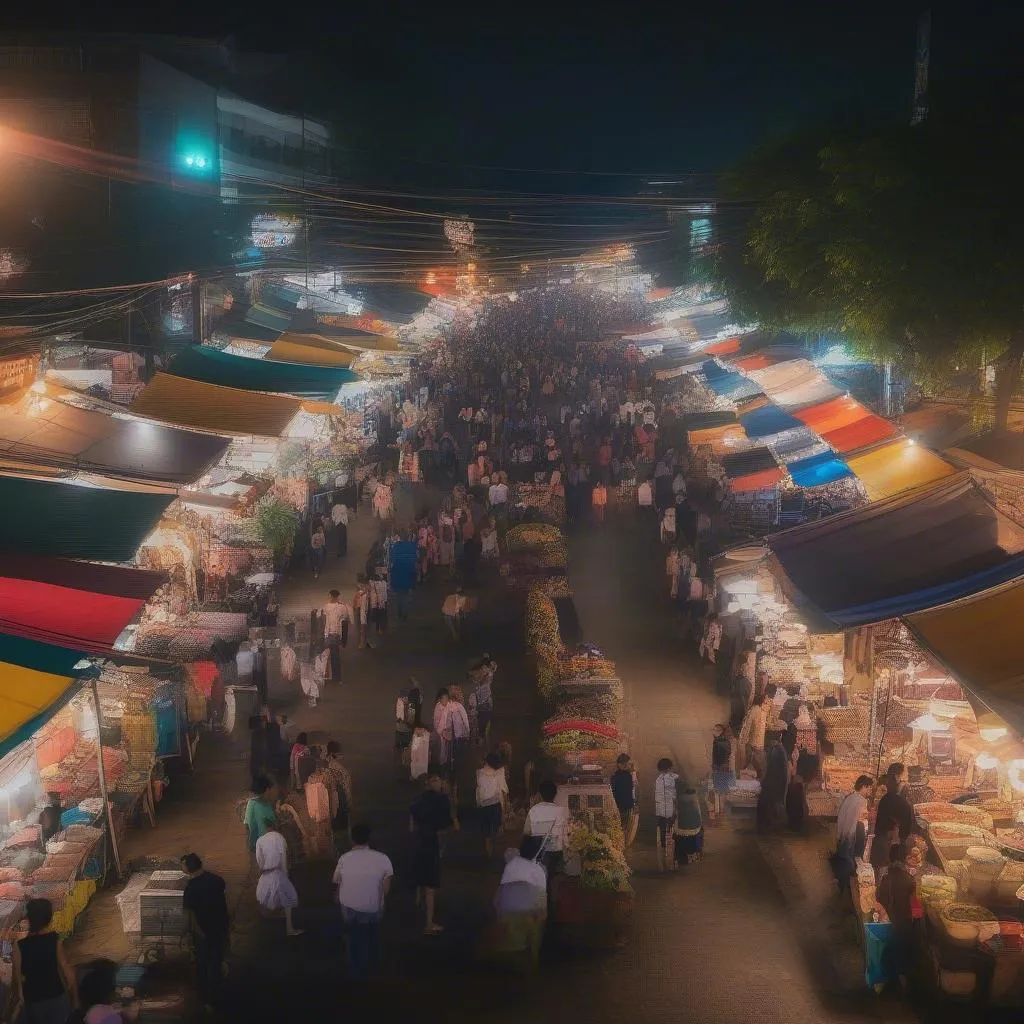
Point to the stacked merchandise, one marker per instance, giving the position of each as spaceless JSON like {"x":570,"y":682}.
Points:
{"x":545,"y":501}
{"x":535,"y":551}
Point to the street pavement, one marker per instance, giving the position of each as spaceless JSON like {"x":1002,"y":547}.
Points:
{"x":752,"y":931}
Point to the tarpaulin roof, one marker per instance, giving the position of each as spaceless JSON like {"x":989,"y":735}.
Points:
{"x":351,"y":342}
{"x":71,"y":520}
{"x":210,"y":407}
{"x":978,"y":639}
{"x":719,"y":438}
{"x":293,"y":352}
{"x":726,"y":383}
{"x":767,"y":420}
{"x":27,"y":699}
{"x":69,"y":437}
{"x":892,"y":557}
{"x":724,"y":348}
{"x":77,"y":604}
{"x":211,"y":366}
{"x":897,"y":466}
{"x":824,"y":468}
{"x":809,"y":392}
{"x":758,"y":361}
{"x":706,"y":420}
{"x":752,"y":460}
{"x":757,"y":481}
{"x":862,"y":433}
{"x":833,"y":414}
{"x":796,"y":444}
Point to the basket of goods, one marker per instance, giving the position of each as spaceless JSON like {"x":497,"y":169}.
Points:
{"x":931,"y":813}
{"x":1002,"y":813}
{"x":984,"y":866}
{"x":967,"y":924}
{"x":864,"y":888}
{"x":934,"y":887}
{"x":954,"y":837}
{"x":1010,"y":879}
{"x":1011,"y":842}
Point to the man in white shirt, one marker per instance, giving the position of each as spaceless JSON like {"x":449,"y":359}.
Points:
{"x":363,"y":877}
{"x":549,"y":822}
{"x":497,"y":495}
{"x":337,"y":617}
{"x":666,"y":808}
{"x":523,"y":887}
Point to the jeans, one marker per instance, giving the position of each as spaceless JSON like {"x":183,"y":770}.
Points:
{"x":403,"y":600}
{"x":363,"y":947}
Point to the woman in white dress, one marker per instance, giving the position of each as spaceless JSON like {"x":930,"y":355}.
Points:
{"x":419,"y":751}
{"x":274,"y":890}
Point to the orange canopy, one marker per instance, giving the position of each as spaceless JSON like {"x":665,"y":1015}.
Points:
{"x":758,"y":361}
{"x":724,"y":348}
{"x":757,"y":481}
{"x":833,"y":414}
{"x":861,"y":433}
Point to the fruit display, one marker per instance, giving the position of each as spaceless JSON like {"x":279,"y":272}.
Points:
{"x":536,"y":543}
{"x":541,"y":621}
{"x":554,"y":587}
{"x":603,"y":706}
{"x":571,"y":740}
{"x":931,"y":813}
{"x":602,"y":862}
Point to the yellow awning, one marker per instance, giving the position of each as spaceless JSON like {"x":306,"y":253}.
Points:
{"x":24,"y":695}
{"x":897,"y":467}
{"x":978,"y":639}
{"x":352,"y":342}
{"x":294,"y":352}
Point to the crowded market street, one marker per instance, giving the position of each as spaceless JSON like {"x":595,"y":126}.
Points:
{"x":744,"y":913}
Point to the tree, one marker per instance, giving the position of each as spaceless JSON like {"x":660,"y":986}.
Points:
{"x":907,"y":242}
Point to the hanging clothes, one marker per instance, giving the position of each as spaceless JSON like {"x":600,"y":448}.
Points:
{"x":289,"y":664}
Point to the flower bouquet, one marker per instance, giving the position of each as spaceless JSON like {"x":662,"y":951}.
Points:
{"x":602,"y":864}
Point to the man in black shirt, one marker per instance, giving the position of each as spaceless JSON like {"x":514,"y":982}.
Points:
{"x":624,"y":792}
{"x":207,"y":907}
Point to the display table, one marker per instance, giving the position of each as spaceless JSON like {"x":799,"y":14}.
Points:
{"x":592,"y":918}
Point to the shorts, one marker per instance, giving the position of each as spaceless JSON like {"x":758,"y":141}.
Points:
{"x":664,"y":829}
{"x":490,"y":819}
{"x":426,"y":864}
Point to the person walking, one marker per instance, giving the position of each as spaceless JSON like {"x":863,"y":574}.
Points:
{"x":259,"y":811}
{"x":723,"y":769}
{"x":317,"y":550}
{"x":491,"y":799}
{"x":205,"y":902}
{"x":339,"y":782}
{"x":429,"y":816}
{"x":339,"y":517}
{"x":274,"y":890}
{"x":666,"y":810}
{"x":453,"y":609}
{"x":549,"y":822}
{"x":337,"y":622}
{"x":623,"y":785}
{"x":42,"y":980}
{"x":363,"y":877}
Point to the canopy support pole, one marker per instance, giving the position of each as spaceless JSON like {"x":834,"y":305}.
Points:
{"x":103,"y":780}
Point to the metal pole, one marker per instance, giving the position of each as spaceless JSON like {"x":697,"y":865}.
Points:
{"x":103,"y":779}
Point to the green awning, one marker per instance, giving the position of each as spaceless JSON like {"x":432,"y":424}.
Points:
{"x":211,"y":366}
{"x":46,"y":516}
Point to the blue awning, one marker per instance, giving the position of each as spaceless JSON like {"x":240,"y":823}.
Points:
{"x":824,"y":468}
{"x":768,"y":420}
{"x":212,"y":366}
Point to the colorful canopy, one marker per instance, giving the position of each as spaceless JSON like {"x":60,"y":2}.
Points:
{"x":74,"y":604}
{"x":719,"y":439}
{"x":750,"y":460}
{"x":896,"y":467}
{"x":899,"y":555}
{"x":293,"y":352}
{"x":862,"y":433}
{"x":211,"y":366}
{"x":192,"y":403}
{"x":978,"y":639}
{"x":727,"y":347}
{"x":767,"y":420}
{"x":65,"y":436}
{"x":28,"y":698}
{"x":824,"y":468}
{"x":350,"y":342}
{"x":74,"y":520}
{"x":833,"y":414}
{"x":708,"y":420}
{"x":759,"y":481}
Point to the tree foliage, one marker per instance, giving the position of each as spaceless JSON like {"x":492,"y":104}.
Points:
{"x":907,"y":242}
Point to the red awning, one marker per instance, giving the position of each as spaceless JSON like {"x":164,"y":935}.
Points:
{"x":723,"y":348}
{"x":759,"y":481}
{"x":71,"y":604}
{"x":862,"y":433}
